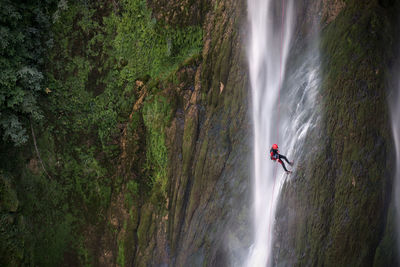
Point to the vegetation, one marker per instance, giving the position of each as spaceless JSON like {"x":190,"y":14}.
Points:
{"x":71,"y":70}
{"x":24,"y":27}
{"x":156,"y":114}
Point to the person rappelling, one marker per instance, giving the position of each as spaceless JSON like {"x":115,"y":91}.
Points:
{"x":278,"y":157}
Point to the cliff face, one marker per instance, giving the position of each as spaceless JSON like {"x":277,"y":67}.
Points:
{"x":144,"y":145}
{"x":209,"y":178}
{"x":335,"y":211}
{"x":140,"y":170}
{"x":206,"y":201}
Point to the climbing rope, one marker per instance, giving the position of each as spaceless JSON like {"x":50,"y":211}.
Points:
{"x":279,"y":106}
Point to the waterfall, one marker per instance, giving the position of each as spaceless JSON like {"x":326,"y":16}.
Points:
{"x":298,"y":112}
{"x":266,"y":52}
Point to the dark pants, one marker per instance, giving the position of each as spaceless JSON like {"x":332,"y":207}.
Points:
{"x":281,"y":162}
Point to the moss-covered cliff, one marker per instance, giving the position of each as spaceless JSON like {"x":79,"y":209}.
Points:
{"x":139,"y":157}
{"x":204,"y":202}
{"x":336,"y":209}
{"x":138,"y":152}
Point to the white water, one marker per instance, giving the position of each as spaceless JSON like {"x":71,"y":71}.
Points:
{"x":298,"y":112}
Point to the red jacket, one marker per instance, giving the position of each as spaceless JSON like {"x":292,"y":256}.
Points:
{"x":274,"y":154}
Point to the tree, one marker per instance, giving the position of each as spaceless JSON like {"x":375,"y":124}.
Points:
{"x":23,"y":32}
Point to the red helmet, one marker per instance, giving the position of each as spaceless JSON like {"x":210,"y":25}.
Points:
{"x":275,"y":146}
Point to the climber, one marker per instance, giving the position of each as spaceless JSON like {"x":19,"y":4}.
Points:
{"x":276,"y":156}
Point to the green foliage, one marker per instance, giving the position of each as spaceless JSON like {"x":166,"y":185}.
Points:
{"x":132,"y":188}
{"x":144,"y":46}
{"x":23,"y":34}
{"x":69,"y":79}
{"x":8,"y":197}
{"x":87,"y":183}
{"x":82,"y":80}
{"x":121,"y":256}
{"x":11,"y":247}
{"x":121,"y":250}
{"x":84,"y":255}
{"x":36,"y":226}
{"x":52,"y":242}
{"x":157,"y":113}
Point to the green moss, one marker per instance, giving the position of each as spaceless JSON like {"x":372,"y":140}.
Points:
{"x":121,"y":249}
{"x":132,"y":190}
{"x":189,"y":138}
{"x":97,"y":52}
{"x":354,"y":94}
{"x":157,"y":113}
{"x":130,"y":238}
{"x":145,"y":231}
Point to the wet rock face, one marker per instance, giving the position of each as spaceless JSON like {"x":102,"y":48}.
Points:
{"x":210,"y":191}
{"x":207,"y":216}
{"x":335,"y":211}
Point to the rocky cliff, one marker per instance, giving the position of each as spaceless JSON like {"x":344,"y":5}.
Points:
{"x":336,"y":210}
{"x":144,"y":154}
{"x":206,"y":203}
{"x":142,"y":157}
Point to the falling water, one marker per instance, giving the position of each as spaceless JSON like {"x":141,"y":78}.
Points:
{"x":268,"y":47}
{"x":267,"y":51}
